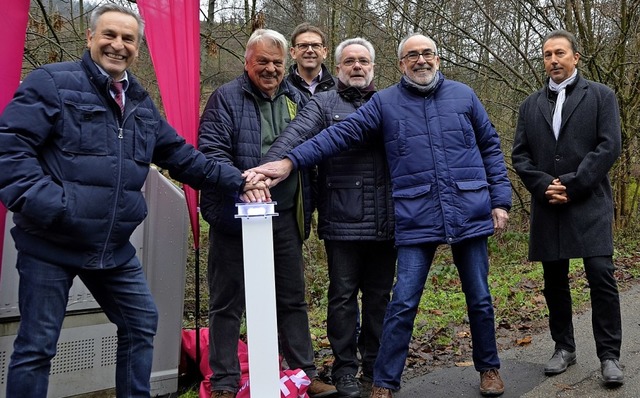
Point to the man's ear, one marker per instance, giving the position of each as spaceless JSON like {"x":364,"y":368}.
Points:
{"x":89,"y":37}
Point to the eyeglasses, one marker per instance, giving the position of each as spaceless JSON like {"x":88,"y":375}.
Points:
{"x":314,"y":46}
{"x":413,"y":56}
{"x":352,"y":61}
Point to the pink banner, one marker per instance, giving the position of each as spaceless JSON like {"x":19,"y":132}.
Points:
{"x":173,"y":34}
{"x":13,"y":27}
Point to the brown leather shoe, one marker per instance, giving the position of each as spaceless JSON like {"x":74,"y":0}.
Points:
{"x":222,"y":394}
{"x":491,"y":384}
{"x":381,"y":392}
{"x":319,"y":389}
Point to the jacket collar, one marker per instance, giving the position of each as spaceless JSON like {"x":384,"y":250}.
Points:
{"x":404,"y":82}
{"x":356,"y":95}
{"x":135,"y":92}
{"x":327,"y":78}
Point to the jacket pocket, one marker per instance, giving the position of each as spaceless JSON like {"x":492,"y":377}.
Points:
{"x":346,"y":198}
{"x":415,"y":208}
{"x":474,"y":202}
{"x":145,"y":139}
{"x":467,"y":131}
{"x":85,"y":129}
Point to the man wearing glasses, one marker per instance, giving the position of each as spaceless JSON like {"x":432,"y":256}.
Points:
{"x":450,"y":186}
{"x":355,"y":219}
{"x":308,"y":50}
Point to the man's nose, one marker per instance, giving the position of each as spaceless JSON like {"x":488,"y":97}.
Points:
{"x":117,"y":43}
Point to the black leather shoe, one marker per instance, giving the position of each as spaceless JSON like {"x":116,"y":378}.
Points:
{"x":559,"y":362}
{"x":348,"y":387}
{"x":611,"y":373}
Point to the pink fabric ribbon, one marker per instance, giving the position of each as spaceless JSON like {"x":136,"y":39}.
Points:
{"x":13,"y":26}
{"x":172,"y":31}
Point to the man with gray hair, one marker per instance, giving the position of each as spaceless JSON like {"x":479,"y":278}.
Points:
{"x":355,"y":218}
{"x":239,"y":124}
{"x":76,"y":143}
{"x":450,"y":186}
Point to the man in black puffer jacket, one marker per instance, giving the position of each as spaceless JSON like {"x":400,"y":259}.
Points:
{"x":356,"y":218}
{"x":308,"y":74}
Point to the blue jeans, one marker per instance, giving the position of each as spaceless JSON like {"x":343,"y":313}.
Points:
{"x":471,"y":259}
{"x":124,"y":296}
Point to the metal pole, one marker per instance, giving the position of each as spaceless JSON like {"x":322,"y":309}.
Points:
{"x":260,"y":297}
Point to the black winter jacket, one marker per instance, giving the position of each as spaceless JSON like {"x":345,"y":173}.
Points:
{"x":73,"y":168}
{"x":327,"y":83}
{"x":354,"y":188}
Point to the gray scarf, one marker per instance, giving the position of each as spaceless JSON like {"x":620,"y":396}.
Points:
{"x":423,"y":89}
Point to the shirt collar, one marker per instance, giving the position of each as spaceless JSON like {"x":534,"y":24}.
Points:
{"x":124,"y":80}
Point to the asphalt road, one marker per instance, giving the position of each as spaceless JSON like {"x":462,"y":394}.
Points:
{"x":522,"y":367}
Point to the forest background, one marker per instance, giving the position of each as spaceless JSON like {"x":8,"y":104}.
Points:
{"x":494,"y":47}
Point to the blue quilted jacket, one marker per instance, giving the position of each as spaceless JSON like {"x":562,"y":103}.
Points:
{"x":444,"y":156}
{"x":230,"y":133}
{"x":73,"y":168}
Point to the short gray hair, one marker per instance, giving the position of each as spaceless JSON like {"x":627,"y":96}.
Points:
{"x":109,"y":7}
{"x":410,"y":35}
{"x":261,"y":35}
{"x":349,"y":42}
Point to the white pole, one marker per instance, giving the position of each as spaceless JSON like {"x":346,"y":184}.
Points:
{"x":260,"y":297}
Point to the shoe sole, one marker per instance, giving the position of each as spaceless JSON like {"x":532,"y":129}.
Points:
{"x":613,"y":383}
{"x":557,"y":372}
{"x":353,"y":394}
{"x":491,"y":393}
{"x":324,"y":394}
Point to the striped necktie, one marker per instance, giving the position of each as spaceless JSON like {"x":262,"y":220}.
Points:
{"x":117,"y":90}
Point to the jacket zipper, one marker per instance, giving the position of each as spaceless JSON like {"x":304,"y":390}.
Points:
{"x":114,"y":210}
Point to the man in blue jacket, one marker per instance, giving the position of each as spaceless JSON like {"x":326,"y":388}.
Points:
{"x":450,"y":186}
{"x":355,"y":218}
{"x":74,"y":154}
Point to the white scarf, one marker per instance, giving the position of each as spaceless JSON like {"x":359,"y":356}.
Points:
{"x":560,"y":88}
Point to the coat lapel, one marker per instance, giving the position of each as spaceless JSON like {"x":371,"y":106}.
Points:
{"x":572,"y":101}
{"x":543,"y":105}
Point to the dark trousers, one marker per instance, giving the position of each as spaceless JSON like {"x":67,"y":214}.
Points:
{"x":605,"y":305}
{"x":227,"y":302}
{"x":357,"y":266}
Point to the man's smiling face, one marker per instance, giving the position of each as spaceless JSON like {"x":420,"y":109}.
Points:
{"x":115,"y":42}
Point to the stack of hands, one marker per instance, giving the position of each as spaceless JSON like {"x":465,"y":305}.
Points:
{"x":259,"y":179}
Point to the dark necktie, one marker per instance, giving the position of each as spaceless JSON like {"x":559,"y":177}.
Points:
{"x":117,"y":90}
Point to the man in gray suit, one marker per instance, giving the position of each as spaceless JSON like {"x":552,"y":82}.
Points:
{"x":567,"y":140}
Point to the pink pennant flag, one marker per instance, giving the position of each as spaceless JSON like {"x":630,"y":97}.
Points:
{"x":173,"y":34}
{"x":13,"y":27}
